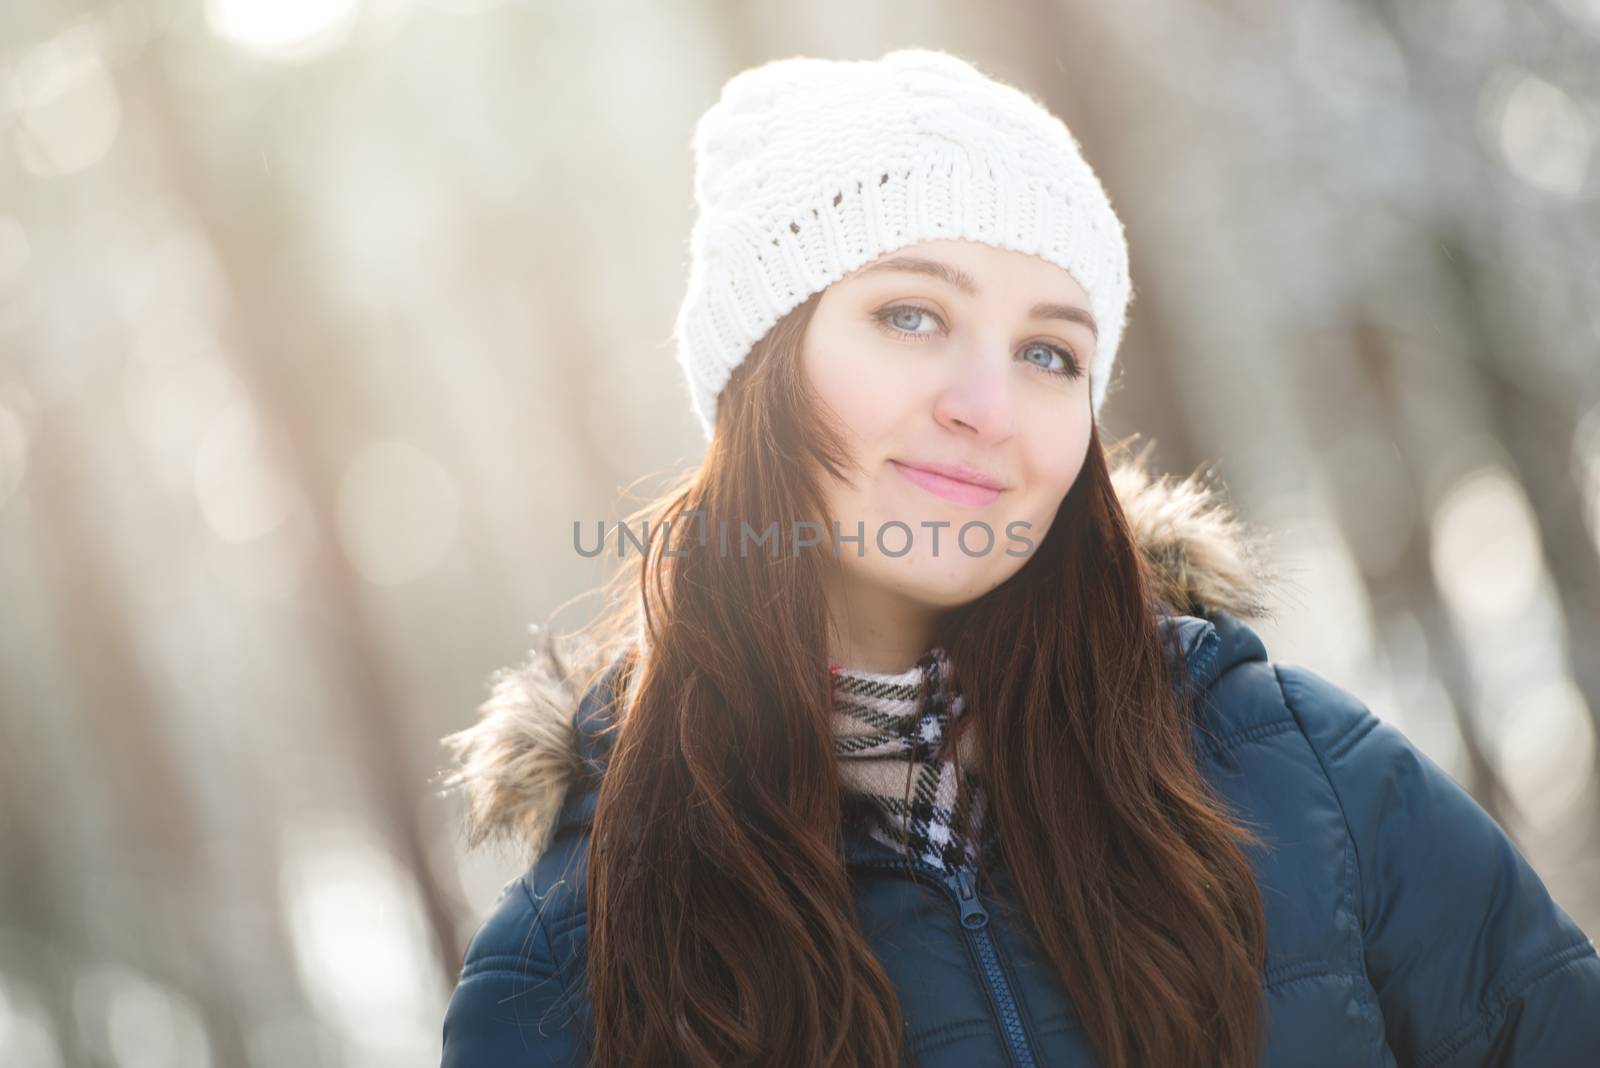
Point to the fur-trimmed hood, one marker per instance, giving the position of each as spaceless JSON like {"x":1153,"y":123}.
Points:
{"x":513,"y":765}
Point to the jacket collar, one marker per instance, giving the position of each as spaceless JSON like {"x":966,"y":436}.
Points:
{"x":539,"y":732}
{"x":1199,"y":638}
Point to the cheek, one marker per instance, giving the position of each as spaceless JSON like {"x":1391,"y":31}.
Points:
{"x":1055,"y":459}
{"x":858,"y":385}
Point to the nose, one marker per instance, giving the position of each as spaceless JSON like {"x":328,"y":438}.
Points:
{"x":978,"y":398}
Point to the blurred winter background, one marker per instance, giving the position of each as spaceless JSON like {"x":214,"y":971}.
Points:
{"x":322,"y":320}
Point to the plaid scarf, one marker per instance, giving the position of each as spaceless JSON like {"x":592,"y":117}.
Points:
{"x":888,"y":745}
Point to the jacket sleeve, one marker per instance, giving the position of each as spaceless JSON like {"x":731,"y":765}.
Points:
{"x":1473,"y":962}
{"x":510,"y":1006}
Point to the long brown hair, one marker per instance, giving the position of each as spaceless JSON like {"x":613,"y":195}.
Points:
{"x":722,"y":928}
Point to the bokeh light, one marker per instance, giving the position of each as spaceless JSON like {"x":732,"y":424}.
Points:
{"x":67,"y":106}
{"x":285,"y":30}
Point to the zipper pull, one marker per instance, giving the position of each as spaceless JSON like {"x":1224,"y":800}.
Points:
{"x":973,"y":914}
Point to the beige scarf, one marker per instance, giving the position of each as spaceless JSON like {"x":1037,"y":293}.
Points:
{"x":887,"y":733}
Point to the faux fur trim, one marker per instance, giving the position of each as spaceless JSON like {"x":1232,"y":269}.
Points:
{"x":1202,"y":557}
{"x":513,"y":765}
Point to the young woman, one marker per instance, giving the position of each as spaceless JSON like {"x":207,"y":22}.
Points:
{"x":925,"y":734}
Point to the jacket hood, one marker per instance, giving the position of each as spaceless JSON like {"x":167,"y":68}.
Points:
{"x":540,"y":728}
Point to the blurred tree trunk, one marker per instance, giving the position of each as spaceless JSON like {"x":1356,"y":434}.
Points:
{"x":151,"y":809}
{"x":333,"y":592}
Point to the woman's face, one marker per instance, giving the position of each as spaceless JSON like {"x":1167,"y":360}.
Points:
{"x":952,"y":354}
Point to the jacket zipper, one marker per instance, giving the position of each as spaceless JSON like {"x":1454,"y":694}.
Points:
{"x":985,"y":950}
{"x":975,"y":920}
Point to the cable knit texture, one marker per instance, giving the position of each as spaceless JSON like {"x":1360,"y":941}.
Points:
{"x":888,"y":733}
{"x":807,"y":169}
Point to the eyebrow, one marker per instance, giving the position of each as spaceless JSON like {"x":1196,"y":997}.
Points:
{"x":963,"y":281}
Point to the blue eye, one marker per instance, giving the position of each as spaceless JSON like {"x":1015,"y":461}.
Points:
{"x":895,"y":314}
{"x":901,"y":313}
{"x":1069,"y":368}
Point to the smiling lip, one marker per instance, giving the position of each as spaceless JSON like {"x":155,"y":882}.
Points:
{"x":960,"y":485}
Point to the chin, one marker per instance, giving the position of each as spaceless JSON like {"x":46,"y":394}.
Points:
{"x":942,"y":592}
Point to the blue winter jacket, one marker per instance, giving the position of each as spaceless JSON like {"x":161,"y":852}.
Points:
{"x":1404,"y":927}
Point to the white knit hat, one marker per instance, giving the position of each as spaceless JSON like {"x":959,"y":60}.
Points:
{"x":806,"y":169}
